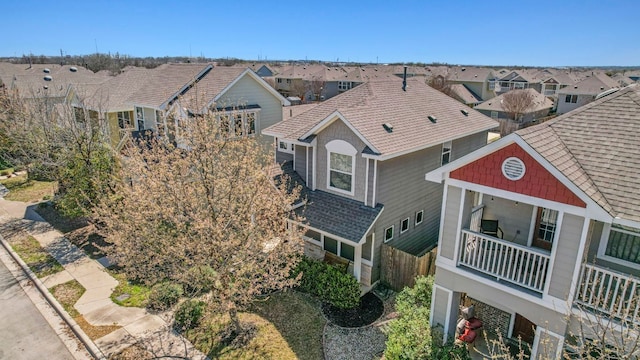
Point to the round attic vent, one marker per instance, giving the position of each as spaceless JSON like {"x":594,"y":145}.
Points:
{"x":513,"y":168}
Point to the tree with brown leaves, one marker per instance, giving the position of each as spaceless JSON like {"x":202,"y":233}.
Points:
{"x":213,"y":205}
{"x":516,"y":103}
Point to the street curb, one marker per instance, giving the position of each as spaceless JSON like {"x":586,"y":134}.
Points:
{"x":88,"y":343}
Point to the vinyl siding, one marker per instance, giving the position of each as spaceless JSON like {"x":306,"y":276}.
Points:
{"x":301,"y":161}
{"x":511,"y":218}
{"x":565,"y":259}
{"x":339,"y":131}
{"x":248,"y":91}
{"x":450,"y":225}
{"x":403,"y":191}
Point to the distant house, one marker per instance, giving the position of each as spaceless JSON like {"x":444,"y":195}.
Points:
{"x":542,"y":232}
{"x":478,"y":81}
{"x":359,"y":157}
{"x":141,"y":100}
{"x":584,"y":92}
{"x":496,"y":108}
{"x":463,"y":94}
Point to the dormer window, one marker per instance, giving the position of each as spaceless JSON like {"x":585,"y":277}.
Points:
{"x":341,"y":166}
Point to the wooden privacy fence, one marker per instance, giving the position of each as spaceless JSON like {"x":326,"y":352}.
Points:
{"x":399,"y":269}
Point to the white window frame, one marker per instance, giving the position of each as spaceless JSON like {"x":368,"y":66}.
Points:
{"x":421,"y":212}
{"x":392,"y":233}
{"x":341,"y":147}
{"x":373,"y":248}
{"x":126,"y":120}
{"x":604,"y":240}
{"x":406,"y":220}
{"x":232,"y":116}
{"x":446,"y":150}
{"x":288,"y":148}
{"x":345,"y":85}
{"x":139,"y":115}
{"x":573,"y":99}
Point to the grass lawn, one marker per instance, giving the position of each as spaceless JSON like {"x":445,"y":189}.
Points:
{"x":22,"y":189}
{"x":286,"y":326}
{"x":38,"y":259}
{"x":67,"y":295}
{"x":139,"y":294}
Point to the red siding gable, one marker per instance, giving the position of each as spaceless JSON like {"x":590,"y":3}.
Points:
{"x":537,"y":181}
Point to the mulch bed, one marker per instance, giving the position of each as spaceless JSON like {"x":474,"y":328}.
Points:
{"x":369,"y":310}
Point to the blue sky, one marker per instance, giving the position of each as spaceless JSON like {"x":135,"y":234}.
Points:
{"x":532,"y":33}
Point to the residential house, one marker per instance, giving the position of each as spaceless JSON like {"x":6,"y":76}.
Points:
{"x":478,"y":81}
{"x":462,"y":93}
{"x":541,"y":230}
{"x":516,"y":80}
{"x":140,"y":101}
{"x":360,"y":157}
{"x":584,"y":92}
{"x":527,"y":105}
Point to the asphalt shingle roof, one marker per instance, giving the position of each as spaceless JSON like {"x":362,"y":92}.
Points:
{"x":495,"y":104}
{"x":327,"y":212}
{"x":597,"y":148}
{"x":369,"y":105}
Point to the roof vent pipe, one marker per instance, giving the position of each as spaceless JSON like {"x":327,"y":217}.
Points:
{"x":404,"y":80}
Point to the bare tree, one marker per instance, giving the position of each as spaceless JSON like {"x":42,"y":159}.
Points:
{"x":316,"y":87}
{"x":441,"y":83}
{"x":298,"y":88}
{"x":516,"y":103}
{"x":214,"y":206}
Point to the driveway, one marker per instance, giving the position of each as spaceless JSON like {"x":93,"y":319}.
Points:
{"x":24,"y":332}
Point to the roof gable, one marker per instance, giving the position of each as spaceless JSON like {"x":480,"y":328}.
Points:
{"x":537,"y":180}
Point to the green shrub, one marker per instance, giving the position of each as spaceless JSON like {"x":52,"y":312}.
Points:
{"x":6,"y":172}
{"x":164,"y":295}
{"x":329,"y":283}
{"x":409,"y":336}
{"x":199,"y":280}
{"x":189,"y":314}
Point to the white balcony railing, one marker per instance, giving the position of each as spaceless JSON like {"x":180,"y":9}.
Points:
{"x":608,"y":292}
{"x":520,"y":265}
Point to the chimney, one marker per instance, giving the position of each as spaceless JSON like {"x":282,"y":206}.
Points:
{"x":404,"y":80}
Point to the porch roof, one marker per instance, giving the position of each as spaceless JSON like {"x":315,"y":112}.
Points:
{"x":342,"y":217}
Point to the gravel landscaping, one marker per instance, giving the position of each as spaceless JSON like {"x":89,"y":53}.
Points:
{"x":363,"y":343}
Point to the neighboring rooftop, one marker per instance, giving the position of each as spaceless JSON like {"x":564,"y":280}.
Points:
{"x":592,"y":85}
{"x":540,"y":102}
{"x":596,"y":147}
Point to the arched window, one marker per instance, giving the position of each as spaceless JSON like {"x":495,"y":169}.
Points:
{"x":341,"y":164}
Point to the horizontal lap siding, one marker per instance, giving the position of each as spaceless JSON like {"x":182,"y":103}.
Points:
{"x":247,"y":91}
{"x":301,"y":161}
{"x":339,"y":131}
{"x":566,"y":253}
{"x":404,"y":191}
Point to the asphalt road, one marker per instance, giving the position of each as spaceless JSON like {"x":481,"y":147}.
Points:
{"x":24,"y":333}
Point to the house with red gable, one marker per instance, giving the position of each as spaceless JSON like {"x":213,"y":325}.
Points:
{"x":540,"y":233}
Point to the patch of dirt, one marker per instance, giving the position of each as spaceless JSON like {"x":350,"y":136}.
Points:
{"x":68,"y":294}
{"x":95,"y":332}
{"x":369,"y":310}
{"x":133,"y":352}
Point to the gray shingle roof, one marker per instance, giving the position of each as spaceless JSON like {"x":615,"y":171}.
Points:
{"x":592,"y":85}
{"x":597,"y":148}
{"x":369,"y":105}
{"x":328,"y":212}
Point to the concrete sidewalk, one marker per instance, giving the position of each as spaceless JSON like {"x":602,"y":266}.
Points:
{"x":95,"y":305}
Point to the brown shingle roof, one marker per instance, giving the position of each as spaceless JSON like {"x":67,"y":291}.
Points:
{"x":592,"y":85}
{"x":368,"y":106}
{"x":596,"y":147}
{"x":541,"y":102}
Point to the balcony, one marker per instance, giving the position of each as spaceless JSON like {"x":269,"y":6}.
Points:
{"x":505,"y":261}
{"x":610,"y":293}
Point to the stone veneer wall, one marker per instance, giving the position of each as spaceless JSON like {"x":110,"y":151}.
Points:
{"x":492,"y":318}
